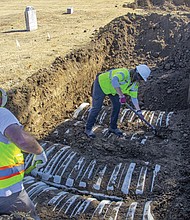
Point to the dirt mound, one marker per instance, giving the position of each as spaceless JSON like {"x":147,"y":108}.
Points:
{"x":162,"y":4}
{"x":50,"y":96}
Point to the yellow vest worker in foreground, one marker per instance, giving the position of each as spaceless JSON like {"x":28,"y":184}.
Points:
{"x":116,"y":83}
{"x":14,"y":140}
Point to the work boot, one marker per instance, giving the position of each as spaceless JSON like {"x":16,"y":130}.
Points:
{"x":116,"y":131}
{"x":90,"y":133}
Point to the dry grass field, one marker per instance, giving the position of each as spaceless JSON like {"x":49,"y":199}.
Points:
{"x":58,"y":33}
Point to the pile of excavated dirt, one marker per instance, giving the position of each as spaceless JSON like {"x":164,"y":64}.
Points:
{"x":172,"y":5}
{"x":159,"y":3}
{"x":51,"y":95}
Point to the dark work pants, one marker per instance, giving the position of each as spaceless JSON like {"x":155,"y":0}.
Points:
{"x":97,"y":102}
{"x":18,"y":202}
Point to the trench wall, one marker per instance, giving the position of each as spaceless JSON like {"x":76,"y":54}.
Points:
{"x":47,"y":97}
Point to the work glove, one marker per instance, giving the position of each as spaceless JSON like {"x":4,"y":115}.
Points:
{"x":40,"y":158}
{"x":139,"y":112}
{"x":122,"y":99}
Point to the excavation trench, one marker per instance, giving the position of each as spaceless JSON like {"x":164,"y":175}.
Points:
{"x":49,"y":96}
{"x":137,"y":176}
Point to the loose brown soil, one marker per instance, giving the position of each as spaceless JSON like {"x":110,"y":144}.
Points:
{"x":45,"y":99}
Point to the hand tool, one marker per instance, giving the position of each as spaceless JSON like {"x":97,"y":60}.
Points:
{"x":30,"y":168}
{"x":142,"y":119}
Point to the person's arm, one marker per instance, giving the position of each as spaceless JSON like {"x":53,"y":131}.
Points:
{"x":11,"y":128}
{"x":119,"y":92}
{"x":137,"y":107}
{"x":27,"y":143}
{"x":116,"y":86}
{"x":22,"y":139}
{"x":135,"y":103}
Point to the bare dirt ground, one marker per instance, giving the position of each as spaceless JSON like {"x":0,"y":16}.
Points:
{"x":45,"y":104}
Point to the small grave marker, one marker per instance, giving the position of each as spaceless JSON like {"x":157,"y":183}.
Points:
{"x":70,"y":10}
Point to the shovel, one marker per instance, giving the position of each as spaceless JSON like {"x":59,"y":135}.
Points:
{"x":142,"y":119}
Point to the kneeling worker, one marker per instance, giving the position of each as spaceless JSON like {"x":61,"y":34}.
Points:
{"x":116,"y":83}
{"x":13,"y":140}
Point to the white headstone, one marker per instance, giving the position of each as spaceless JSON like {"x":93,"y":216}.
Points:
{"x":30,"y":18}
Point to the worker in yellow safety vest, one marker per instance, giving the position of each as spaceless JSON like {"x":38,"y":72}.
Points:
{"x":14,"y":140}
{"x":116,"y":83}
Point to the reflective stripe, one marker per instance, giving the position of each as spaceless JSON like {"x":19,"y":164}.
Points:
{"x":12,"y":175}
{"x":121,"y":73}
{"x":134,"y":87}
{"x":11,"y":165}
{"x":11,"y":171}
{"x":122,"y":83}
{"x":5,"y":167}
{"x":105,"y":81}
{"x":110,"y":74}
{"x":5,"y":183}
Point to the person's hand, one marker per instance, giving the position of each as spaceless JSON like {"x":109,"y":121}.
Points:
{"x":139,"y":112}
{"x":122,"y":99}
{"x":40,"y":157}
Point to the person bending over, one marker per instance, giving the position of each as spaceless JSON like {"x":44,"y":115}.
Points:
{"x":116,"y":83}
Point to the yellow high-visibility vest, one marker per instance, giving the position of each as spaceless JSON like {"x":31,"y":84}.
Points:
{"x":127,"y":87}
{"x":11,"y":165}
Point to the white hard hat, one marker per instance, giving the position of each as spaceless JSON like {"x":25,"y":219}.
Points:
{"x":144,"y":71}
{"x":4,"y":97}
